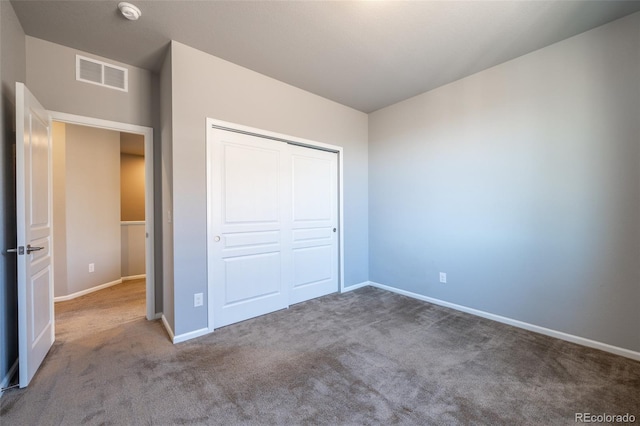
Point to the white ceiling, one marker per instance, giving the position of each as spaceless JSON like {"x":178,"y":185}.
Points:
{"x":364,"y":54}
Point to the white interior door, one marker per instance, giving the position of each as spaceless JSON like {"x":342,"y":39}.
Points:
{"x":35,"y":266}
{"x":314,"y":223}
{"x":249,"y":235}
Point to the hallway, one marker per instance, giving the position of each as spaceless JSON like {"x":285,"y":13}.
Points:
{"x":100,"y":311}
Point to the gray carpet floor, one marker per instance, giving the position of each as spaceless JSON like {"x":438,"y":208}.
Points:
{"x":364,"y":357}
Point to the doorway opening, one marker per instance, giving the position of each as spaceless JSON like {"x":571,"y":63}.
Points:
{"x":103,"y":211}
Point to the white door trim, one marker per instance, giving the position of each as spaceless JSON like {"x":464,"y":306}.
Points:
{"x":210,"y":122}
{"x":147,"y":133}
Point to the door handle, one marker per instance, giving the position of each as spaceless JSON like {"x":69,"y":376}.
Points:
{"x":19,"y":250}
{"x":30,"y":249}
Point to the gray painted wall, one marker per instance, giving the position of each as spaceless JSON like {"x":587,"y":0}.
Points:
{"x":92,"y":207}
{"x":206,"y":86}
{"x":12,"y":69}
{"x":50,"y":76}
{"x":522,"y":183}
{"x":166,"y":113}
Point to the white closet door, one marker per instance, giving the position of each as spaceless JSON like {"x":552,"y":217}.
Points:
{"x":273,"y":218}
{"x":314,"y":204}
{"x":250,"y":233}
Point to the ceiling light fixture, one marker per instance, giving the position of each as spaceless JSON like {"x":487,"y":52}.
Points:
{"x":129,"y":11}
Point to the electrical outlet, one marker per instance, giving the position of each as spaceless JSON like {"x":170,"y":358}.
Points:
{"x":198,"y":300}
{"x":92,"y":267}
{"x":443,"y":277}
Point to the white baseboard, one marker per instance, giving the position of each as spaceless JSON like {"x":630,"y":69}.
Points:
{"x":167,"y":327}
{"x":86,"y":291}
{"x":134,"y":277}
{"x":185,"y":336}
{"x":7,"y":378}
{"x":190,"y":335}
{"x":98,"y":287}
{"x":627,"y":353}
{"x":355,"y":286}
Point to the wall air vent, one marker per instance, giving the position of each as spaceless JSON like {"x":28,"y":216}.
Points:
{"x":101,"y":73}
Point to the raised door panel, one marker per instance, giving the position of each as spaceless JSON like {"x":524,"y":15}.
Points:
{"x":251,"y":185}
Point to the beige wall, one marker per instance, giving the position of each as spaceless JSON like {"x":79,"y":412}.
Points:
{"x":92,"y":207}
{"x":205,"y":86}
{"x":132,"y":204}
{"x":133,"y":249}
{"x":131,"y":187}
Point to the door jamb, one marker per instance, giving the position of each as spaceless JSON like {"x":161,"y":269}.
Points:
{"x":147,"y":133}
